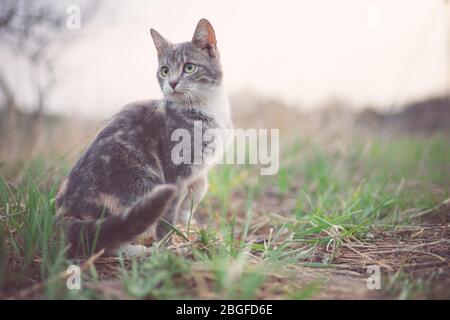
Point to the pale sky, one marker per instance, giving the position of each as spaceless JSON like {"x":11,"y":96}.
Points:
{"x":378,"y":52}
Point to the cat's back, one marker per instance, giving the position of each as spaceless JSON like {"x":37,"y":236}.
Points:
{"x":135,"y":128}
{"x":138,"y":114}
{"x":120,"y":150}
{"x":131,"y":124}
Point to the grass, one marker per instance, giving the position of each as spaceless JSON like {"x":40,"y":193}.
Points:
{"x":282,"y":236}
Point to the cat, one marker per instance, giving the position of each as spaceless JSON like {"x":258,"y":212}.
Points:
{"x":126,"y":180}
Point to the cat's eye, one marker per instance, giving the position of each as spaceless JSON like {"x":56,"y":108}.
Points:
{"x":164,"y":72}
{"x":190,"y":68}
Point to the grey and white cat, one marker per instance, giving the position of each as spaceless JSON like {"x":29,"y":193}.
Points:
{"x":126,"y":180}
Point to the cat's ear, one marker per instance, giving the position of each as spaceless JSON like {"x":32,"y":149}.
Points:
{"x":160,"y":42}
{"x":204,"y":37}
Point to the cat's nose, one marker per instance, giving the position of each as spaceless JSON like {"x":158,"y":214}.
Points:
{"x":173,"y":84}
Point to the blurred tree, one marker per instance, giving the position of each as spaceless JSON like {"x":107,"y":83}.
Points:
{"x":33,"y":32}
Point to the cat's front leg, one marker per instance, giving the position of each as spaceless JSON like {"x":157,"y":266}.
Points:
{"x":130,"y":250}
{"x":171,"y":217}
{"x":195,"y":191}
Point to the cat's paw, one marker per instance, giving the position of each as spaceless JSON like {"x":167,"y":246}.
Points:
{"x":131,"y":250}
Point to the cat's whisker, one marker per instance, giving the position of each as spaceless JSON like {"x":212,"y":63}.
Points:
{"x":191,"y":101}
{"x":200,"y":99}
{"x":194,"y":100}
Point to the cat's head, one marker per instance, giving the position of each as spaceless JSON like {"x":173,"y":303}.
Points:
{"x":189,"y":72}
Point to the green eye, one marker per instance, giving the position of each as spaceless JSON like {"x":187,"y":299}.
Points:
{"x":190,"y":68}
{"x":164,"y":72}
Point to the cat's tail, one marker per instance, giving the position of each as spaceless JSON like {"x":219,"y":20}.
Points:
{"x":88,"y":235}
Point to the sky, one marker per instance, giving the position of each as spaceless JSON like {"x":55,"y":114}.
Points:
{"x":379,"y":53}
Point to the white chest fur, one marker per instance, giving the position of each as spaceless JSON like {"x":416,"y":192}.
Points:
{"x":217,"y":106}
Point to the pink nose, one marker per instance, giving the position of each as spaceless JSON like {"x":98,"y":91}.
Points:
{"x":173,"y":84}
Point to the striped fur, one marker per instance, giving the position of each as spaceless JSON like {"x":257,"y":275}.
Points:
{"x":126,"y":181}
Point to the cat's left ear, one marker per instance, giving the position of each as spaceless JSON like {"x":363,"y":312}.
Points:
{"x":205,"y":38}
{"x":161,"y":43}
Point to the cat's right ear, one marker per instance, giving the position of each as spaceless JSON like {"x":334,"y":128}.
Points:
{"x":205,"y":38}
{"x":160,"y":42}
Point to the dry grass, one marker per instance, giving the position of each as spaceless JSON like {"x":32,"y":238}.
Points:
{"x":344,"y":199}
